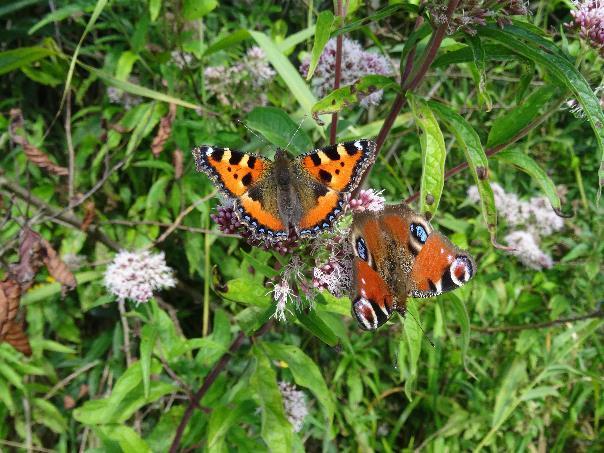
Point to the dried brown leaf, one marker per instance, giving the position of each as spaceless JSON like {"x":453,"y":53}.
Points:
{"x":31,"y":253}
{"x":57,"y":267}
{"x":178,"y":160}
{"x":33,"y":154}
{"x":163,"y":132}
{"x":10,"y":294}
{"x":17,"y":338}
{"x":89,"y":215}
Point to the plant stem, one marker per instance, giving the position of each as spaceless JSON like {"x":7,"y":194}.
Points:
{"x":207,"y":275}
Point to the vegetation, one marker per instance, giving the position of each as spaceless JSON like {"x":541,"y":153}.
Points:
{"x":225,"y":342}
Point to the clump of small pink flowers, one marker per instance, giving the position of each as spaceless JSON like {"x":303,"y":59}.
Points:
{"x":356,"y":63}
{"x":367,"y":200}
{"x":531,"y":220}
{"x":471,"y":13}
{"x":137,"y":275}
{"x":588,"y":18}
{"x":242,"y":85}
{"x":294,"y":403}
{"x":228,"y":222}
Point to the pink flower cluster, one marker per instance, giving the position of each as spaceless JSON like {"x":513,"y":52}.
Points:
{"x":471,"y":13}
{"x":137,"y":275}
{"x":588,"y":18}
{"x":356,"y":63}
{"x":531,"y":220}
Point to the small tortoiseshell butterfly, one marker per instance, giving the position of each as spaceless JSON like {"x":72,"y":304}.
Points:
{"x":398,"y":254}
{"x":305,"y":193}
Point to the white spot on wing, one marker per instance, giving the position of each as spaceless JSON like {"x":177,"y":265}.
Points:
{"x":209,"y":151}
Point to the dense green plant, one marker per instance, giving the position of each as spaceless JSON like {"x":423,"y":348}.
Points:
{"x":101,"y":104}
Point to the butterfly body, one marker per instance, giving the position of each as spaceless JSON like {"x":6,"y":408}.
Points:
{"x":303,"y":193}
{"x":397,"y":254}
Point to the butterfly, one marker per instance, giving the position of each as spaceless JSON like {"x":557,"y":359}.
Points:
{"x":398,"y":254}
{"x":305,"y":193}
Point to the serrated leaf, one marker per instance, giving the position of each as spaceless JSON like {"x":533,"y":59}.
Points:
{"x":514,"y":378}
{"x":469,"y":141}
{"x":325,"y":20}
{"x":247,"y":291}
{"x":221,"y":420}
{"x":306,"y":374}
{"x":433,"y":156}
{"x":126,"y":437}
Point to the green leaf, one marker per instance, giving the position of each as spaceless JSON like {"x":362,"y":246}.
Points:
{"x":125,"y":436}
{"x":466,"y":55}
{"x":550,"y":57}
{"x":196,"y":9}
{"x":252,"y":318}
{"x":323,"y":28}
{"x":306,"y":374}
{"x":227,"y":42}
{"x":149,"y":336}
{"x":98,"y":9}
{"x":138,"y":90}
{"x":510,"y":384}
{"x":352,"y":94}
{"x":313,"y":322}
{"x":479,"y":71}
{"x":221,"y":420}
{"x":413,"y":337}
{"x":279,"y":129}
{"x":526,"y":163}
{"x":513,"y":121}
{"x":247,"y":291}
{"x":43,"y":292}
{"x":354,"y":131}
{"x":288,"y":44}
{"x":539,"y":392}
{"x":380,"y":14}
{"x":286,"y":70}
{"x":469,"y":141}
{"x":433,"y":156}
{"x":48,"y":415}
{"x":10,"y":7}
{"x":460,"y":315}
{"x":59,"y":14}
{"x":154,"y":8}
{"x":125,"y":64}
{"x":23,"y":56}
{"x":276,"y":431}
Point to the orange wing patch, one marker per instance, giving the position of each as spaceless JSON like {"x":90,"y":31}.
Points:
{"x":321,"y":215}
{"x":341,"y":166}
{"x":255,"y":215}
{"x":433,"y":260}
{"x":233,"y":171}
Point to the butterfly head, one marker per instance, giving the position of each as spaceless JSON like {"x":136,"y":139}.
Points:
{"x":439,"y":265}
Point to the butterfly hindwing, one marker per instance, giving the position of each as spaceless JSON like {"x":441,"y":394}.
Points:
{"x":372,"y":303}
{"x":340,"y":167}
{"x":234,"y":172}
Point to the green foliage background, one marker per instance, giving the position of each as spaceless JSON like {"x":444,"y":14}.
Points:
{"x":486,"y":383}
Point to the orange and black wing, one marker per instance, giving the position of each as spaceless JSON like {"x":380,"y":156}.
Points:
{"x":340,"y":167}
{"x":247,"y":178}
{"x":233,"y":172}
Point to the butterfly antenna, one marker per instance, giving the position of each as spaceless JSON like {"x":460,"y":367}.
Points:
{"x":296,"y":131}
{"x":259,"y":137}
{"x":421,"y":328}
